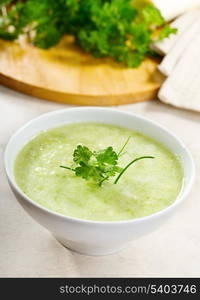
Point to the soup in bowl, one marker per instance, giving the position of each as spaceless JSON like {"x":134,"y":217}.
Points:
{"x":97,"y":178}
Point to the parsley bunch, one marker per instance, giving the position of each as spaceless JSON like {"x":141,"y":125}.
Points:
{"x":121,"y":29}
{"x":99,"y":166}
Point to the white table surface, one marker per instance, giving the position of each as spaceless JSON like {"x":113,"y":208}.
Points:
{"x":29,"y":250}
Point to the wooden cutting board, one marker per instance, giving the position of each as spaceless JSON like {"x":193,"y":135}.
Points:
{"x":66,"y":74}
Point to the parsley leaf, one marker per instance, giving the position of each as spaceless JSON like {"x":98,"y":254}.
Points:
{"x":99,"y":166}
{"x":121,"y":29}
{"x":107,"y":156}
{"x":82,"y":154}
{"x":166,"y":31}
{"x":88,"y":171}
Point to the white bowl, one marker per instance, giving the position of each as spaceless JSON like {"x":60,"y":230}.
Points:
{"x":93,"y":237}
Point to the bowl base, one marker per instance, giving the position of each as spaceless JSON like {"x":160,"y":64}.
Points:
{"x":91,"y":250}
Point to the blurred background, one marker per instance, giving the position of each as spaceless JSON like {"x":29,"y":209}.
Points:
{"x":136,"y":56}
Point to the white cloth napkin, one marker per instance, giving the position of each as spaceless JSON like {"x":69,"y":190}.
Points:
{"x":170,"y":9}
{"x":182,"y":23}
{"x":171,"y":59}
{"x":182,"y":87}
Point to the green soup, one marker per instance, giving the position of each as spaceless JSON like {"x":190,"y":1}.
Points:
{"x":148,"y":186}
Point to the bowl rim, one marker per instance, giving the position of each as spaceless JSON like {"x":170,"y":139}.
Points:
{"x":179,"y":199}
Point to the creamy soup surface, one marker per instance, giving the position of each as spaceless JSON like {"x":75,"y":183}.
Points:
{"x":148,"y":186}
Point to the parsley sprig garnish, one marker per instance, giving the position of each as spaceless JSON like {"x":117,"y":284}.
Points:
{"x":99,"y":166}
{"x":121,"y":29}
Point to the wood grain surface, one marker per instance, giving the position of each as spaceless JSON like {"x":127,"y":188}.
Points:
{"x":66,"y":74}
